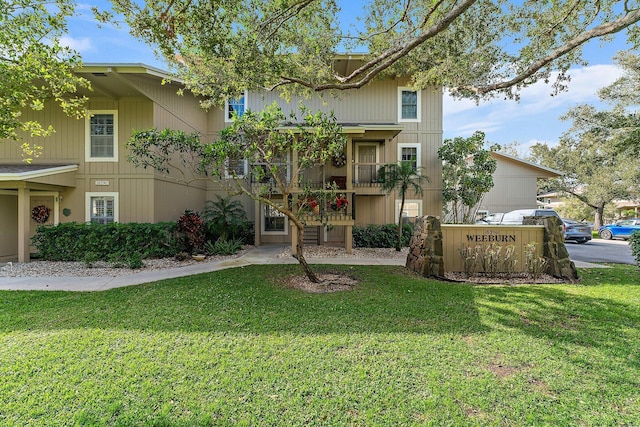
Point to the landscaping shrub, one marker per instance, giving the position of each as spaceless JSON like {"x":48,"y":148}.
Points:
{"x":634,"y":244}
{"x":226,"y":219}
{"x":91,"y":242}
{"x":380,"y":236}
{"x":191,"y":226}
{"x":222,"y":247}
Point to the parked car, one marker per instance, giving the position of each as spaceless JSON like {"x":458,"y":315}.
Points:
{"x":517,"y":217}
{"x":620,"y":230}
{"x":493,"y":218}
{"x":576,"y":231}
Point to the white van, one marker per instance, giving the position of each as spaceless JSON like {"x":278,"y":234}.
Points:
{"x":517,"y":217}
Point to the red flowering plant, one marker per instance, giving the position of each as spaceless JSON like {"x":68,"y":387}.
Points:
{"x":340,"y":203}
{"x":192,"y":226}
{"x":40,"y":214}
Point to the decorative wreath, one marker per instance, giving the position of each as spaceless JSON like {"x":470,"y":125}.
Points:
{"x":339,"y":161}
{"x":40,"y":214}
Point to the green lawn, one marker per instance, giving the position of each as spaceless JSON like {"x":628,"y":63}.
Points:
{"x":235,"y":348}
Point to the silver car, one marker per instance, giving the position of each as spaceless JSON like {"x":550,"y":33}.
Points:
{"x":578,"y":232}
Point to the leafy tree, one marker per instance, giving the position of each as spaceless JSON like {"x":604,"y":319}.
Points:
{"x":263,"y":138}
{"x":35,"y":67}
{"x":402,"y":176}
{"x":596,"y":172}
{"x":474,"y":47}
{"x":467,"y":174}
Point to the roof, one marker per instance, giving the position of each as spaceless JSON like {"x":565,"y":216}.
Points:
{"x":545,"y":171}
{"x":23,"y":171}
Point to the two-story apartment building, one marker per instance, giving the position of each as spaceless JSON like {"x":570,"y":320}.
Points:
{"x":83,"y":173}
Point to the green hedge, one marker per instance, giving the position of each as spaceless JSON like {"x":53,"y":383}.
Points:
{"x":380,"y":236}
{"x":116,"y":242}
{"x":634,"y":243}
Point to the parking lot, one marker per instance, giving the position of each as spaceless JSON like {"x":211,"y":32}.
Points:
{"x":598,"y":250}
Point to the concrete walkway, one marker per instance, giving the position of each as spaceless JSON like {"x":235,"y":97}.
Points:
{"x":266,"y":254}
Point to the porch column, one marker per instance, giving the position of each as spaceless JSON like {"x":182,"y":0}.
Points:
{"x":348,"y":239}
{"x":257,"y":223}
{"x":350,"y":162}
{"x":24,"y":229}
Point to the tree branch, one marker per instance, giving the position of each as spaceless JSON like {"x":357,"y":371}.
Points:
{"x":599,"y":31}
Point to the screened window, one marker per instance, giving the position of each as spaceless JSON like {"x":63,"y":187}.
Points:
{"x":102,"y":209}
{"x":237,"y":168}
{"x":274,"y":221}
{"x":408,"y":105}
{"x":102,"y":136}
{"x":409,"y":154}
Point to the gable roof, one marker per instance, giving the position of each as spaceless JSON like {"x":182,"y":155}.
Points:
{"x":541,"y":171}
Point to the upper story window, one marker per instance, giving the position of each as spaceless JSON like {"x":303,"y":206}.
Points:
{"x":409,"y":153}
{"x":101,"y":136}
{"x":237,"y":106}
{"x":408,"y":105}
{"x":102,"y":208}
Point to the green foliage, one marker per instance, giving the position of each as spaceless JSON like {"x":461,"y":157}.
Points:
{"x":222,"y":247}
{"x":36,"y":69}
{"x":124,"y":243}
{"x":224,"y":218}
{"x":402,"y":177}
{"x":634,"y":244}
{"x":467,"y":174}
{"x":380,"y":236}
{"x":263,"y":138}
{"x":476,"y":48}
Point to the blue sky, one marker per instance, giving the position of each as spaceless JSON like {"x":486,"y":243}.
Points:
{"x":536,"y":118}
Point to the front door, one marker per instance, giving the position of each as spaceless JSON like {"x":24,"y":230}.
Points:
{"x":366,"y":170}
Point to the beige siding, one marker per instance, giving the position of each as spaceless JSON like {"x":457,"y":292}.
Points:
{"x":171,"y":199}
{"x":515,"y":187}
{"x":8,"y":227}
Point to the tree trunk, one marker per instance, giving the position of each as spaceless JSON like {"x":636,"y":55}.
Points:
{"x":300,"y":256}
{"x":399,"y":242}
{"x":598,"y":222}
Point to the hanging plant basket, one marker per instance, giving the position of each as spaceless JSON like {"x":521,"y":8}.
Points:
{"x":40,"y":214}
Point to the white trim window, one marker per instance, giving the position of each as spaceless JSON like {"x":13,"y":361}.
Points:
{"x":409,"y":105}
{"x":102,"y":208}
{"x":101,"y":136}
{"x":412,"y":209}
{"x":237,"y":106}
{"x":236,"y":168}
{"x":274,"y":222}
{"x":409,"y":153}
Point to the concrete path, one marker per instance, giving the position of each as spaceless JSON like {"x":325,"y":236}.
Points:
{"x":266,"y":254}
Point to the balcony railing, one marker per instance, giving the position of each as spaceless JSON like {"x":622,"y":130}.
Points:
{"x":366,"y":174}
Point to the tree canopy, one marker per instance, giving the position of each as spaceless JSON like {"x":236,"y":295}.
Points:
{"x":476,"y":48}
{"x":35,"y":67}
{"x":467,"y":174}
{"x":261,"y":140}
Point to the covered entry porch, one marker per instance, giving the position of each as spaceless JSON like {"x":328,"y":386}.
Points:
{"x":23,"y":187}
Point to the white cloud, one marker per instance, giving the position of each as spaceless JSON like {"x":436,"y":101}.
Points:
{"x":79,"y":45}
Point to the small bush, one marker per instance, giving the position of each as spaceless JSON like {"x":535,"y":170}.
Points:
{"x":634,"y":244}
{"x":223,"y":247}
{"x":380,"y":236}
